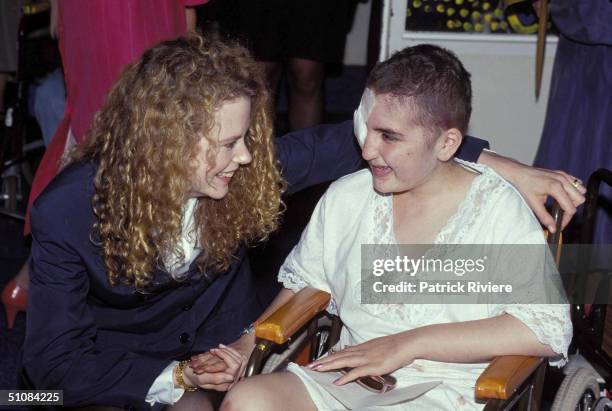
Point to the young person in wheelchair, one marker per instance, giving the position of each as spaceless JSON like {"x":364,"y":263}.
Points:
{"x":416,"y":109}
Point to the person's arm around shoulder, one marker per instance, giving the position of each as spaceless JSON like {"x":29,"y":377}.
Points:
{"x":536,"y":184}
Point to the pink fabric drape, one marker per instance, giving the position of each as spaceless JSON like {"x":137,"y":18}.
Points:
{"x":97,"y":39}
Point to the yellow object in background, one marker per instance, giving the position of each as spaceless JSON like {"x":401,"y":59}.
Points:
{"x":458,"y":2}
{"x":494,"y":25}
{"x":478,"y":27}
{"x":519,"y":27}
{"x":464,"y":12}
{"x":427,"y":8}
{"x":488,"y":18}
{"x":449,"y":24}
{"x":476,"y":15}
{"x":467,"y":26}
{"x":486,"y":6}
{"x":416,"y":4}
{"x":440,"y":8}
{"x":499,"y":13}
{"x":450,"y":11}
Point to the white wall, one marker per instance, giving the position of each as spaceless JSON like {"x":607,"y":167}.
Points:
{"x":355,"y":53}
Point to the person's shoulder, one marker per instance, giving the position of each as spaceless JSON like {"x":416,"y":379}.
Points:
{"x":349,"y":193}
{"x":356,"y":183}
{"x":70,"y":190}
{"x":504,"y":209}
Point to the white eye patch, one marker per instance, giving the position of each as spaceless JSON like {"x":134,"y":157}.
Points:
{"x":361,"y":116}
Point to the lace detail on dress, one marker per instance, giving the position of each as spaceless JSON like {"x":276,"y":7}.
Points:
{"x":291,"y":280}
{"x":550,"y":323}
{"x":295,"y":283}
{"x":484,"y":188}
{"x":382,"y":234}
{"x":382,"y":229}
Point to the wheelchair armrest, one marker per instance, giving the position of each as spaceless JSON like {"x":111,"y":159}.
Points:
{"x":293,"y":315}
{"x":505,"y":375}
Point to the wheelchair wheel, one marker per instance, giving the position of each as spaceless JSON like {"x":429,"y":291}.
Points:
{"x":579,"y":391}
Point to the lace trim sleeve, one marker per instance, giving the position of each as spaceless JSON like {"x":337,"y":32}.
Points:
{"x":291,"y":280}
{"x":550,"y":323}
{"x":295,"y":283}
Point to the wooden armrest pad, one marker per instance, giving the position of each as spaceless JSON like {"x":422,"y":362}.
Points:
{"x":289,"y":318}
{"x":504,"y":375}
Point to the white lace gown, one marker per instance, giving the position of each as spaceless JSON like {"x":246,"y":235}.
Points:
{"x":328,"y":258}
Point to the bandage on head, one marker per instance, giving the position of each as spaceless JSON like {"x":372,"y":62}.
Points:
{"x":361,"y":115}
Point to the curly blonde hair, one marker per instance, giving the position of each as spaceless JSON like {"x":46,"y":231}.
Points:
{"x":144,"y":142}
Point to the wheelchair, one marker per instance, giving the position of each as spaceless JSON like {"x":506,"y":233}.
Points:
{"x":508,"y":383}
{"x":592,"y":342}
{"x":22,"y":146}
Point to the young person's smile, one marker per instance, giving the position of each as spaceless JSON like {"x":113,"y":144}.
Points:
{"x":399,"y":153}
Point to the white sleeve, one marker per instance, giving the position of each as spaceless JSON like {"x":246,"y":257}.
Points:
{"x":162,"y":390}
{"x":304,"y":266}
{"x":544,"y":310}
{"x":550,"y":323}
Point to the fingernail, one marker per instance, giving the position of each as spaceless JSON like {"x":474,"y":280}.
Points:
{"x":222,"y":346}
{"x":551,"y":228}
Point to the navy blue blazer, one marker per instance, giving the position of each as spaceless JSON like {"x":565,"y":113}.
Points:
{"x":106,"y":345}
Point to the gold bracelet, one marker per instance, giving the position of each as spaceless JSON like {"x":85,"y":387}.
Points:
{"x":178,"y":376}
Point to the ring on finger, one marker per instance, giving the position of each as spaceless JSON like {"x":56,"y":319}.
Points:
{"x":576,"y":182}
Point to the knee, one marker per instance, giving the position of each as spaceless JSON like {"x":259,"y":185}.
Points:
{"x":306,"y":77}
{"x":244,"y":397}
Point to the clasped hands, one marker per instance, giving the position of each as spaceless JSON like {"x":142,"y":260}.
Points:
{"x":220,"y":368}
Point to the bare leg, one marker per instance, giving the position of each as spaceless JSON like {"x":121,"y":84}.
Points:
{"x":197,"y":401}
{"x":305,"y":93}
{"x":190,"y":401}
{"x":273,"y":70}
{"x":270,"y":392}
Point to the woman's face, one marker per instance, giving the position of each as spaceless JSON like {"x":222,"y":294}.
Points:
{"x":232,"y":122}
{"x":401,"y":155}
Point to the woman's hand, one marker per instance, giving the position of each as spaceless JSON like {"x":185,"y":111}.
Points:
{"x":230,"y":360}
{"x":218,"y":381}
{"x":379,"y":356}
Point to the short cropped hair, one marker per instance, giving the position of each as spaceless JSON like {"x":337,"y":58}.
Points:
{"x":432,"y":80}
